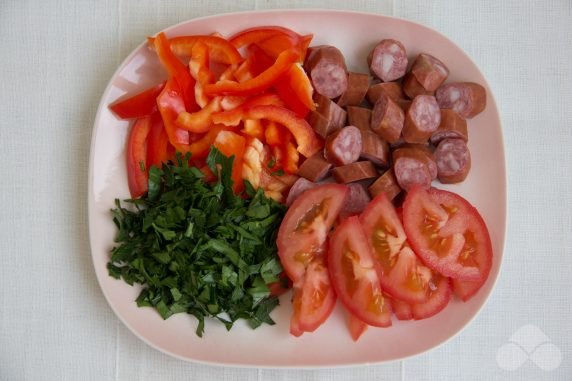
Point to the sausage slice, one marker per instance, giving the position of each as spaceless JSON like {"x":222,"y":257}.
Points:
{"x":386,"y":183}
{"x":360,"y":170}
{"x":466,"y":98}
{"x":453,"y":160}
{"x":422,"y":119}
{"x":452,"y":126}
{"x":343,"y":146}
{"x":388,"y":60}
{"x":326,"y":67}
{"x":315,"y":168}
{"x":387,"y":119}
{"x":429,"y":71}
{"x":359,"y":117}
{"x":358,"y":84}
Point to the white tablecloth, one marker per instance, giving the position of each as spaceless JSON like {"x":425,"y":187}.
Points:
{"x":56,"y":59}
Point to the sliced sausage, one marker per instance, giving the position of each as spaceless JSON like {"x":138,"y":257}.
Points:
{"x":386,"y":183}
{"x":422,"y":119}
{"x":343,"y":146}
{"x":374,"y":148}
{"x":358,"y":84}
{"x":300,"y":186}
{"x":419,"y":152}
{"x":391,"y":89}
{"x":359,"y":117}
{"x":388,"y":60}
{"x":360,"y":170}
{"x":412,"y":87}
{"x":315,"y":168}
{"x":453,"y":160}
{"x":356,"y":200}
{"x":429,"y":71}
{"x":328,"y":116}
{"x":404,"y":104}
{"x":411,"y":171}
{"x":466,"y":98}
{"x":452,"y":126}
{"x":387,"y":119}
{"x":326,"y":67}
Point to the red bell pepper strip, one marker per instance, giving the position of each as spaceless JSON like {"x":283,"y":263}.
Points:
{"x":200,"y":71}
{"x":137,"y":175}
{"x":221,"y":50}
{"x":258,"y":84}
{"x":273,"y":134}
{"x":257,"y":34}
{"x":171,"y":104}
{"x":230,"y":143}
{"x":254,"y":128}
{"x":294,"y":88}
{"x":199,"y":122}
{"x":291,"y":157}
{"x":234,"y":117}
{"x":157,"y":142}
{"x":307,"y":141}
{"x":200,"y":149}
{"x":177,"y":70}
{"x":139,"y":105}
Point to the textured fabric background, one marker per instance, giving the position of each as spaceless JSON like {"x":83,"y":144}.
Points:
{"x":56,"y":59}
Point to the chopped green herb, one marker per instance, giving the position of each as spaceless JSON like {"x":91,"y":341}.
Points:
{"x":197,"y":247}
{"x":142,"y":166}
{"x":279,"y":172}
{"x":271,"y":163}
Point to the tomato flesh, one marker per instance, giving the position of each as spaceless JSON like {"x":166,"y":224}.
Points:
{"x":355,"y":326}
{"x":402,"y":275}
{"x":354,"y":276}
{"x":448,"y":234}
{"x":305,"y":227}
{"x":313,"y":298}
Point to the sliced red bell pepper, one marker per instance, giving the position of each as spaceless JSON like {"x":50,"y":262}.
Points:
{"x":254,"y":128}
{"x":177,"y":70}
{"x":230,"y":143}
{"x":157,"y":142}
{"x":233,"y":117}
{"x":273,"y":134}
{"x":307,"y":141}
{"x":200,"y":71}
{"x":294,"y":88}
{"x":257,"y":34}
{"x":171,"y":104}
{"x":139,"y":105}
{"x":221,"y":50}
{"x":257,"y":84}
{"x":200,"y":149}
{"x":199,"y":122}
{"x":137,"y":175}
{"x":291,"y":157}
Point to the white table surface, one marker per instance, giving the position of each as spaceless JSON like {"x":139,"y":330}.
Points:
{"x":56,"y":59}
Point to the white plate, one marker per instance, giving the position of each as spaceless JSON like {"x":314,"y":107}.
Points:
{"x":272,"y":346}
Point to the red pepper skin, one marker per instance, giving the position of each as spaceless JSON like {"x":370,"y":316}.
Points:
{"x":136,"y":155}
{"x":139,"y":105}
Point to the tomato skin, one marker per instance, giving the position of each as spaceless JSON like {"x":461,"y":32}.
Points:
{"x":465,"y":290}
{"x":401,"y":309}
{"x":402,"y":275}
{"x":354,"y":275}
{"x":297,"y":244}
{"x":437,"y":301}
{"x":136,"y":155}
{"x":313,"y":298}
{"x":355,"y":326}
{"x":459,"y":228}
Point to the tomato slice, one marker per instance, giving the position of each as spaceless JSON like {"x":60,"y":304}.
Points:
{"x":354,"y":275}
{"x":157,"y":142}
{"x":401,"y":309}
{"x":355,"y":326}
{"x":402,"y":274}
{"x":448,"y":234}
{"x":137,"y":175}
{"x":313,"y":298}
{"x":306,"y":225}
{"x":438,"y":300}
{"x":465,"y":290}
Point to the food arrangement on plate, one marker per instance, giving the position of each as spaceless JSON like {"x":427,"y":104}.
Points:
{"x":262,"y":164}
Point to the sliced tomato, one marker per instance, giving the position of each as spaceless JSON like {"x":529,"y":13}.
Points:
{"x":448,"y":234}
{"x":313,"y":298}
{"x":401,"y":309}
{"x":355,"y":326}
{"x":402,"y":274}
{"x":306,"y":225}
{"x":139,"y":105}
{"x":438,"y":300}
{"x":137,"y":175}
{"x":280,"y":286}
{"x":354,"y":276}
{"x":465,"y":290}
